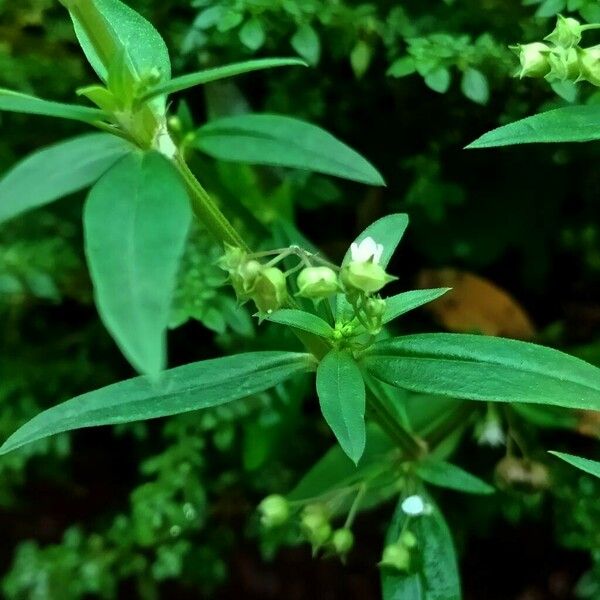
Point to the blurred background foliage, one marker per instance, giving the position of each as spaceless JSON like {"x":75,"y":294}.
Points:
{"x":166,"y":509}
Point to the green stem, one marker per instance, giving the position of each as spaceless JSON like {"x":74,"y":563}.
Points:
{"x":412,"y":447}
{"x":207,"y":211}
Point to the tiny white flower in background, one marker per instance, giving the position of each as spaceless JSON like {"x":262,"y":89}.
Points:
{"x":492,"y":434}
{"x":367,"y":249}
{"x":413,"y":506}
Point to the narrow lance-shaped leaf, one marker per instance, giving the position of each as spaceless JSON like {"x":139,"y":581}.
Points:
{"x":191,"y":387}
{"x":264,"y":139}
{"x":341,"y":392}
{"x":567,"y":124}
{"x":104,"y":27}
{"x":301,"y":320}
{"x":406,"y":301}
{"x":483,"y":368}
{"x":446,"y":475}
{"x":136,"y":220}
{"x":24,"y":103}
{"x":388,"y":232}
{"x":184,"y":82}
{"x":433,"y":568}
{"x":585,"y":464}
{"x":57,"y":171}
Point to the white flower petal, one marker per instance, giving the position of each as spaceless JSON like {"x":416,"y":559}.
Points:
{"x":413,"y":505}
{"x":368,"y":249}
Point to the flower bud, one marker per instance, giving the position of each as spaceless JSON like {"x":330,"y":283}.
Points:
{"x":564,"y":65}
{"x":589,"y":63}
{"x":342,"y":541}
{"x":270,"y":289}
{"x":375,"y":308}
{"x":367,"y":277}
{"x":567,"y":32}
{"x":521,"y":475}
{"x":408,"y":539}
{"x":274,"y":511}
{"x":533,"y":59}
{"x":317,"y":282}
{"x":315,"y":525}
{"x":396,"y":556}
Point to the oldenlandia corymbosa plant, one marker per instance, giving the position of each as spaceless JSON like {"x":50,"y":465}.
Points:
{"x":136,"y":219}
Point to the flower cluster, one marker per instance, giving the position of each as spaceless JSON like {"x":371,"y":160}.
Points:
{"x":562,"y":58}
{"x":314,"y":525}
{"x":360,"y":278}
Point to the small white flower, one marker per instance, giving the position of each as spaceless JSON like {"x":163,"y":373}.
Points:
{"x":367,"y":250}
{"x":492,"y":434}
{"x":413,"y":506}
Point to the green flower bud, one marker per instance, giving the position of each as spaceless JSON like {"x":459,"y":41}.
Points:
{"x":243,"y":271}
{"x":315,"y":525}
{"x":567,"y":32}
{"x":408,"y":539}
{"x":367,"y":277}
{"x":317,"y":282}
{"x":342,"y":541}
{"x":533,"y":59}
{"x":375,"y":308}
{"x":589,"y":62}
{"x":274,"y":511}
{"x":564,"y":65}
{"x":396,"y":556}
{"x":270,"y":289}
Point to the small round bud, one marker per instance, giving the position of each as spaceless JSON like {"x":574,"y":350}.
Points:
{"x":396,"y":556}
{"x":408,"y":539}
{"x":274,"y":511}
{"x":367,"y":277}
{"x":270,"y":289}
{"x":174,"y":123}
{"x":413,"y":506}
{"x":521,"y":475}
{"x":564,"y":65}
{"x":317,"y":282}
{"x":533,"y":59}
{"x":315,"y":525}
{"x":567,"y":32}
{"x":589,"y":62}
{"x":342,"y":541}
{"x":375,"y":307}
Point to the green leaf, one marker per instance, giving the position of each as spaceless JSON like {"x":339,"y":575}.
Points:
{"x":446,"y":475}
{"x":208,"y":75}
{"x":388,"y":232}
{"x":301,"y":320}
{"x":335,"y":470}
{"x":23,"y":103}
{"x":341,"y":392}
{"x":263,"y":139}
{"x":57,"y":171}
{"x":585,"y":464}
{"x":438,"y":80}
{"x":476,"y":367}
{"x":474,"y":86}
{"x":360,"y":58}
{"x":136,"y":220}
{"x":434,"y":572}
{"x":306,"y":43}
{"x":406,"y":301}
{"x":191,"y":387}
{"x":144,"y":45}
{"x":402,"y":67}
{"x":567,"y":124}
{"x":252,"y":34}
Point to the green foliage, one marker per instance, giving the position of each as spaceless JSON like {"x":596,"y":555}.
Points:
{"x":341,"y":393}
{"x":485,"y":368}
{"x":134,"y":275}
{"x":585,"y":464}
{"x":432,"y":568}
{"x":202,"y":473}
{"x":58,"y":171}
{"x":285,"y":142}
